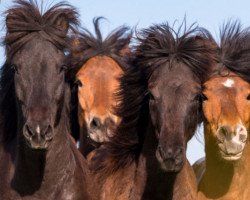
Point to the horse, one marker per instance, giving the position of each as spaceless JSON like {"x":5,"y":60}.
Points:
{"x":160,"y":110}
{"x":226,"y":111}
{"x":96,"y":66}
{"x":38,"y":160}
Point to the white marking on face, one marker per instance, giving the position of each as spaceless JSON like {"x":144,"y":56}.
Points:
{"x":38,"y":129}
{"x":228,"y":83}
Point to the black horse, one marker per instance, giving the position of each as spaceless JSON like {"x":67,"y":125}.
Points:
{"x":160,"y":110}
{"x":38,"y":159}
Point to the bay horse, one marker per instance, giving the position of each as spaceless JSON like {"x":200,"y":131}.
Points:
{"x":96,"y":65}
{"x":226,"y":107}
{"x":159,"y":95}
{"x":38,"y":160}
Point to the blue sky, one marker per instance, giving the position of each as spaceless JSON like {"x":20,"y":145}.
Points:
{"x":143,"y":13}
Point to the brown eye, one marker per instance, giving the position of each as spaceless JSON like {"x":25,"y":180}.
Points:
{"x":203,"y":97}
{"x":78,"y":83}
{"x":248,"y":97}
{"x":151,"y":96}
{"x":14,"y":68}
{"x":63,"y":68}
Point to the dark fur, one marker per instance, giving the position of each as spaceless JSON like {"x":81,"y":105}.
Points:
{"x":28,"y":95}
{"x":157,"y":45}
{"x":234,"y":49}
{"x":89,"y":46}
{"x":26,"y":20}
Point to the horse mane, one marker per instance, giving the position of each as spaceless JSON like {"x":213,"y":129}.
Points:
{"x":24,"y":20}
{"x":234,"y":49}
{"x":157,"y":45}
{"x":86,"y":46}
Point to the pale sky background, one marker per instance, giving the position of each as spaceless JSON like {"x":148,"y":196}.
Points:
{"x":210,"y":14}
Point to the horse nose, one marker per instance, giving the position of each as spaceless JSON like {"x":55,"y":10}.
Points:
{"x":105,"y":123}
{"x":225,"y":132}
{"x":169,"y":153}
{"x":238,"y":133}
{"x":96,"y":123}
{"x":38,"y":131}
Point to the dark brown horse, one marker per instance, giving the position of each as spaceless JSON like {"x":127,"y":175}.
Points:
{"x":96,"y":66}
{"x":227,"y":119}
{"x":37,"y":157}
{"x":146,"y":158}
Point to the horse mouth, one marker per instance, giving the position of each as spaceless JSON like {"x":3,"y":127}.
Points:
{"x":231,"y":156}
{"x":91,"y":141}
{"x":98,"y":137}
{"x":37,"y":146}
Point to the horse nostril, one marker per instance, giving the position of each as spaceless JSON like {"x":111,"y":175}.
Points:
{"x":243,"y":138}
{"x":225,"y":132}
{"x":28,"y":132}
{"x":48,"y":133}
{"x":95,"y":123}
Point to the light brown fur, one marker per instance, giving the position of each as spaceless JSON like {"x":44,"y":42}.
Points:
{"x":225,"y":180}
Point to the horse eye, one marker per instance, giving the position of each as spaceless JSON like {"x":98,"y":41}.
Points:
{"x":248,"y":97}
{"x":14,"y":68}
{"x":78,"y":83}
{"x":63,"y":68}
{"x":203,"y":97}
{"x":151,"y":96}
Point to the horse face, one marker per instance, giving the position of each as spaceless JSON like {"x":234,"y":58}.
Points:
{"x":174,"y":106}
{"x":227,"y":112}
{"x":97,"y":84}
{"x":39,"y":86}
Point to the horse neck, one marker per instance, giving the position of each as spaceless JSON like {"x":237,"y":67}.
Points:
{"x":225,"y":174}
{"x":34,"y":168}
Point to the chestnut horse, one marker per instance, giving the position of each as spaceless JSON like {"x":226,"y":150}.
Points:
{"x":226,"y":109}
{"x":38,"y":160}
{"x":146,"y":158}
{"x":96,"y":66}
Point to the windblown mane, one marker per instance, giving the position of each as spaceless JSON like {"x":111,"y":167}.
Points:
{"x":86,"y":46}
{"x":25,"y":20}
{"x":234,"y":49}
{"x":157,"y":45}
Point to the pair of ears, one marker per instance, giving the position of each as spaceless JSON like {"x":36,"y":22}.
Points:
{"x":76,"y":43}
{"x":61,"y":22}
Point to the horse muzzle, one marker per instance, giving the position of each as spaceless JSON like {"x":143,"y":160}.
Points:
{"x":231,"y":141}
{"x":170,"y":160}
{"x":38,"y":135}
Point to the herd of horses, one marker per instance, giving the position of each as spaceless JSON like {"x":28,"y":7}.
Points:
{"x":133,"y":105}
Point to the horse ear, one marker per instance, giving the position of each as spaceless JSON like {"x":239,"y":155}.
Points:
{"x":125,"y":51}
{"x":62,"y":22}
{"x":9,"y":21}
{"x":75,"y":46}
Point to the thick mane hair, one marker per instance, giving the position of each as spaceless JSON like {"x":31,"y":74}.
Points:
{"x":25,"y":20}
{"x":234,"y":49}
{"x":86,"y":46}
{"x":156,"y":46}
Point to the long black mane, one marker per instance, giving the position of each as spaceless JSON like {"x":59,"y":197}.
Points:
{"x":86,"y":46}
{"x":157,"y":45}
{"x":234,"y":49}
{"x":25,"y":21}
